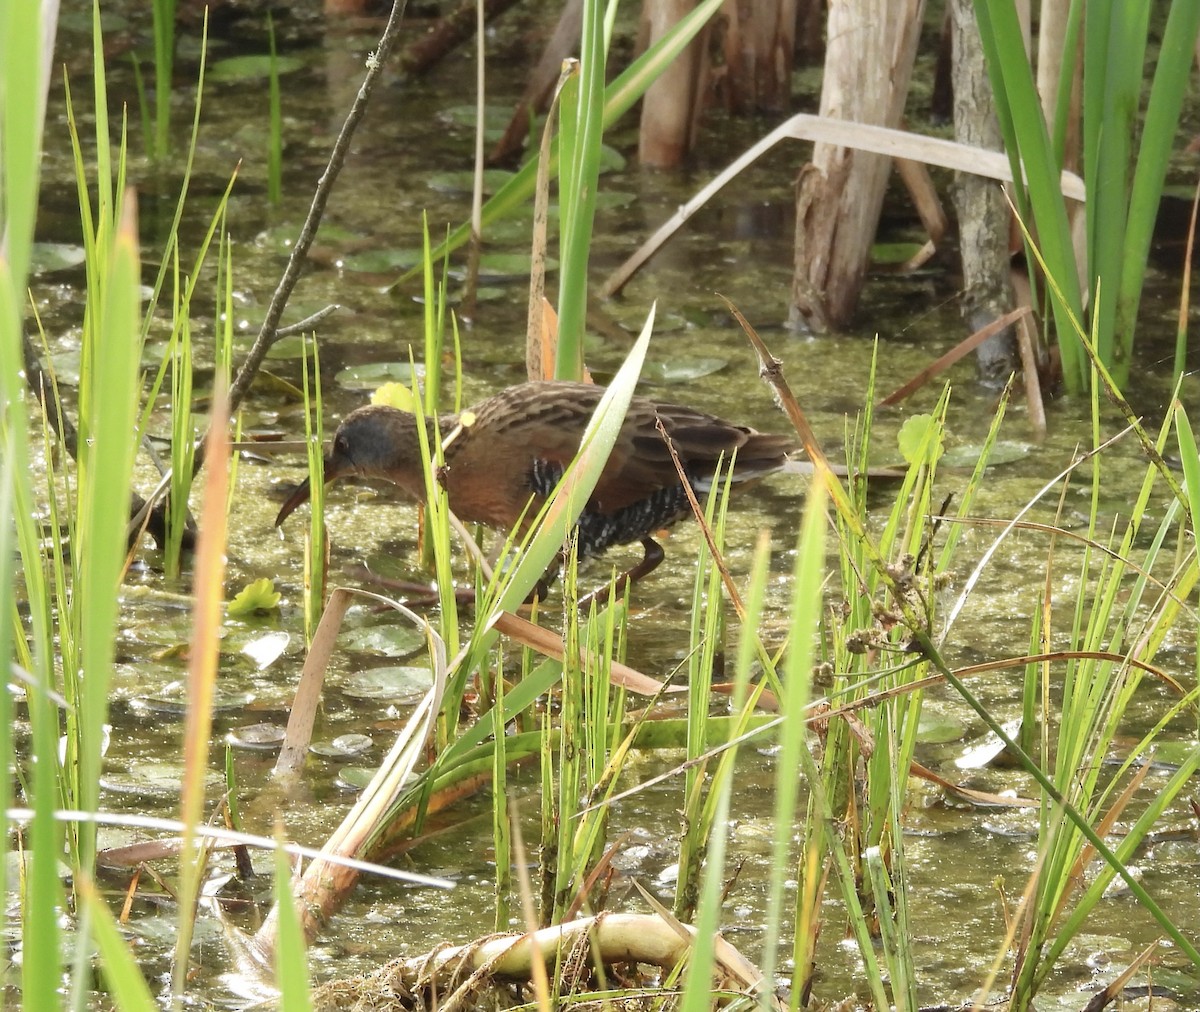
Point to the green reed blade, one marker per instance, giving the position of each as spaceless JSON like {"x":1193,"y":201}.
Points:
{"x":1029,"y":146}
{"x":120,"y":970}
{"x":103,"y":515}
{"x":1160,"y":126}
{"x":803,"y":623}
{"x":314,"y":440}
{"x":291,"y":956}
{"x":501,"y":812}
{"x":697,"y":995}
{"x":581,"y":112}
{"x":164,"y":65}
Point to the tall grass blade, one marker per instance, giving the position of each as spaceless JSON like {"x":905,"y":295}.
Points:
{"x":1190,"y":458}
{"x":164,"y":66}
{"x":24,"y":69}
{"x":582,"y":112}
{"x":1028,"y":142}
{"x":704,"y":642}
{"x":697,"y":996}
{"x":501,"y":812}
{"x":1172,"y":77}
{"x":8,"y":580}
{"x":803,"y":622}
{"x":1114,"y":51}
{"x":291,"y":957}
{"x":314,"y":545}
{"x":185,"y":183}
{"x":120,"y":970}
{"x":103,"y":515}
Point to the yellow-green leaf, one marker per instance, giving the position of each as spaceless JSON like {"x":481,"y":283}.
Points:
{"x":260,"y":595}
{"x":394,"y":395}
{"x":915,"y":436}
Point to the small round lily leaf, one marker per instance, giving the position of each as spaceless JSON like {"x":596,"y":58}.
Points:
{"x":256,"y":736}
{"x":463,"y":181}
{"x":1004,"y":451}
{"x":371,"y":375}
{"x":894,"y":253}
{"x":252,"y":67}
{"x":395,"y":683}
{"x":380,"y":261}
{"x":342,"y":747}
{"x":388,"y":640}
{"x":55,"y":256}
{"x":913,"y":437}
{"x":681,"y":369}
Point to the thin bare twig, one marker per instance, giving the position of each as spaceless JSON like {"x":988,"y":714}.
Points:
{"x":269,"y":333}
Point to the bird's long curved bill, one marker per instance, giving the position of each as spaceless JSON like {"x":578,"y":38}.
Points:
{"x":301,"y":495}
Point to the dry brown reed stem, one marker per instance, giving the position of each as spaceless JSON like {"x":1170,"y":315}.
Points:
{"x":268,"y":333}
{"x":202,"y":671}
{"x":959,"y":351}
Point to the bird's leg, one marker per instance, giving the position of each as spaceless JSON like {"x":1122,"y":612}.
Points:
{"x":652,"y":557}
{"x":542,"y":587}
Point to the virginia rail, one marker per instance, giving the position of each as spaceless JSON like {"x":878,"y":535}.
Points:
{"x":513,"y":448}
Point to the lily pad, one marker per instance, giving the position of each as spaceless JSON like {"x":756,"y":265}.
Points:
{"x":149,"y":779}
{"x":163,"y":930}
{"x":611,"y":160}
{"x":913,"y":434}
{"x":484,"y":293}
{"x":608,"y":199}
{"x":386,"y":640}
{"x":938,"y":728}
{"x":1005,"y":451}
{"x":251,"y":67}
{"x":343,"y":746}
{"x":355,"y":778}
{"x":396,"y":683}
{"x":172,"y":699}
{"x":47,"y":257}
{"x":290,"y":347}
{"x":894,"y":253}
{"x":987,"y":749}
{"x":257,"y":736}
{"x":463,"y":180}
{"x":495,"y":119}
{"x":380,"y":261}
{"x":503,"y":267}
{"x":680,"y":369}
{"x":372,"y":375}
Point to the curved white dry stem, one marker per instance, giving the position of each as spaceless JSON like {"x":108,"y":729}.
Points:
{"x":862,"y":136}
{"x":217,"y":834}
{"x":613,"y":938}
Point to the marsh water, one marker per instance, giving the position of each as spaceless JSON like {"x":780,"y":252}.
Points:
{"x":412,"y":156}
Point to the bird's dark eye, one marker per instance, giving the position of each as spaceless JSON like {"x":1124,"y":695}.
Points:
{"x":341,"y":446}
